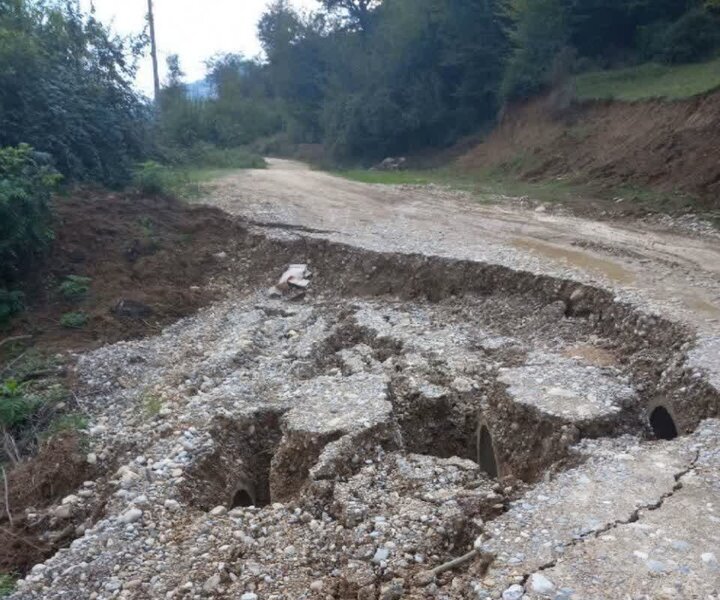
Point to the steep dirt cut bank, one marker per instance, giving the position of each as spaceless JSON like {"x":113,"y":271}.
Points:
{"x":667,"y":146}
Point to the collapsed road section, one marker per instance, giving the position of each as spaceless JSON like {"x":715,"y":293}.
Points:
{"x":400,"y":413}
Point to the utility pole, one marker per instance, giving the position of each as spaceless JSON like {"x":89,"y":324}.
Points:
{"x":153,"y":49}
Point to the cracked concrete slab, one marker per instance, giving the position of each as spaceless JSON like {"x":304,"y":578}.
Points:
{"x":618,"y":478}
{"x":670,"y":551}
{"x":565,"y":388}
{"x":340,"y":405}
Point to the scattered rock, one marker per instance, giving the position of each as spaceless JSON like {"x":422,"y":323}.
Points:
{"x":131,"y":516}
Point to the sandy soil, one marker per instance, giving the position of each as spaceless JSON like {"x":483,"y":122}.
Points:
{"x":676,"y":272}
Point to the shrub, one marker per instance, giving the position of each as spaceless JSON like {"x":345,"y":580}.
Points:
{"x":74,"y":286}
{"x":16,"y":406}
{"x":27,"y":181}
{"x":11,"y":302}
{"x":153,"y":179}
{"x":74,"y":320}
{"x":66,"y":88}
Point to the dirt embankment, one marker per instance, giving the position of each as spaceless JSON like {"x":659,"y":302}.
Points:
{"x":149,"y":261}
{"x":666,"y":146}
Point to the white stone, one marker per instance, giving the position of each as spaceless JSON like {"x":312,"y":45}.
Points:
{"x":212,"y":583}
{"x":131,"y":516}
{"x":541,"y":584}
{"x":514,"y":592}
{"x":218,"y":511}
{"x":249,"y":596}
{"x":380,"y":555}
{"x":172,"y":505}
{"x":63,"y":512}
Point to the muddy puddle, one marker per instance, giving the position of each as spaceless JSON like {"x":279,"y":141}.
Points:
{"x":575,"y":258}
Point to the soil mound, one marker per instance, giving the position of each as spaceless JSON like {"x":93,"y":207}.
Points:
{"x":150,"y":261}
{"x":667,"y":146}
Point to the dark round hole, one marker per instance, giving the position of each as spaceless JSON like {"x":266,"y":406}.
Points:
{"x":662,"y":424}
{"x":242,"y":498}
{"x":486,"y":453}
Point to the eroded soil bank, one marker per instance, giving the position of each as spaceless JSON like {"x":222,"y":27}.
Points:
{"x":669,"y":147}
{"x":150,"y":262}
{"x":407,"y":410}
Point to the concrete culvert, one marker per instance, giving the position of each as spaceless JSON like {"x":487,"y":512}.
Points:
{"x":662,"y":424}
{"x":236,"y":472}
{"x":486,"y":453}
{"x":242,"y":498}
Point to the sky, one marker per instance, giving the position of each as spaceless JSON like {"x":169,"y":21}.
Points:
{"x":194,"y":29}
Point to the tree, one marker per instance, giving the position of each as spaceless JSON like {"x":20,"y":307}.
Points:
{"x":357,"y":12}
{"x":539,"y":32}
{"x":66,"y":88}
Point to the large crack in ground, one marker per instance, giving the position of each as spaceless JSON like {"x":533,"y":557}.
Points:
{"x":634,"y":517}
{"x":332,"y":446}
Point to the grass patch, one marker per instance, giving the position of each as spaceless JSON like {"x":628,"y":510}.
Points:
{"x":484,"y":185}
{"x":487,"y":186}
{"x":391,"y":177}
{"x":650,"y":80}
{"x":183,"y":171}
{"x":152,"y":405}
{"x":7,"y":584}
{"x":184,"y":182}
{"x":68,"y":422}
{"x":74,"y":320}
{"x":74,"y":287}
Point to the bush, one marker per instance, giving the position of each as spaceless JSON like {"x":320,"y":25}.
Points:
{"x":74,"y":320}
{"x":16,"y":407}
{"x":66,"y":87}
{"x":26,"y":183}
{"x":153,"y":179}
{"x":11,"y":302}
{"x":74,"y":287}
{"x":693,"y":37}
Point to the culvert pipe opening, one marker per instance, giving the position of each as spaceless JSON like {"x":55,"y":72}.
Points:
{"x":242,"y":499}
{"x":662,"y":424}
{"x":486,"y":453}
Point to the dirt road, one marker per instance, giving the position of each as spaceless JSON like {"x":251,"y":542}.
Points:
{"x":677,"y":274}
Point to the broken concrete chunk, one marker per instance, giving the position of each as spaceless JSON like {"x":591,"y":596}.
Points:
{"x":296,"y":277}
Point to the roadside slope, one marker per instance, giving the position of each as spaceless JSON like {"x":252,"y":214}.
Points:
{"x":667,"y":146}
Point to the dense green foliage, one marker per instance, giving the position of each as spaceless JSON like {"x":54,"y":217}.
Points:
{"x":239,"y":112}
{"x":551,"y":38}
{"x":11,"y":302}
{"x":66,"y":89}
{"x":26,"y":183}
{"x":372,"y":78}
